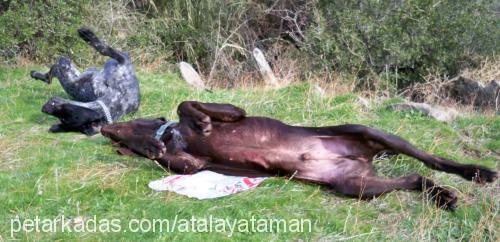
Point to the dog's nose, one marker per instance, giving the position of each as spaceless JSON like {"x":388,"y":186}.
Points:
{"x":106,"y":130}
{"x":47,"y":108}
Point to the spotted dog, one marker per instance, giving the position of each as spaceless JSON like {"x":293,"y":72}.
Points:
{"x":221,"y":138}
{"x":100,"y":96}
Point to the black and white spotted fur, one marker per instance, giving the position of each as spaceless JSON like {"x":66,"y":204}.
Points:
{"x":101,"y":96}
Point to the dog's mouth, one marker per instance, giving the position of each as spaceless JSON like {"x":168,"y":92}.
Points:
{"x":121,"y":132}
{"x":113,"y":131}
{"x":107,"y":130}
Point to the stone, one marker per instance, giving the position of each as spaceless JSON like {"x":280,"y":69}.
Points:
{"x":439,"y":113}
{"x":467,"y":91}
{"x":190,"y":75}
{"x":265,"y":70}
{"x":488,"y":96}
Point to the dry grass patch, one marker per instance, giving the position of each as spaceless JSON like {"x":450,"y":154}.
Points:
{"x":106,"y":175}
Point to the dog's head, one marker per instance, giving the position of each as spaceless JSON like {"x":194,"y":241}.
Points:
{"x":73,"y":117}
{"x":53,"y":106}
{"x":123,"y":130}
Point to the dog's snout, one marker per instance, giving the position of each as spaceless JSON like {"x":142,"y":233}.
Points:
{"x":53,"y":105}
{"x":48,"y":108}
{"x":112,"y":131}
{"x":106,"y":130}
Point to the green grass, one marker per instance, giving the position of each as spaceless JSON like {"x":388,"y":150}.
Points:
{"x":50,"y":175}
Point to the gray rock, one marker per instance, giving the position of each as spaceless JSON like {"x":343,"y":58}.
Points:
{"x":437,"y":112}
{"x":488,"y":96}
{"x":467,"y":91}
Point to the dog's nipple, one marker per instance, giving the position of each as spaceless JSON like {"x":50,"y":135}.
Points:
{"x":305,"y":157}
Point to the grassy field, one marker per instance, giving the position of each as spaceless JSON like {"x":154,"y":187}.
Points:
{"x":50,"y":175}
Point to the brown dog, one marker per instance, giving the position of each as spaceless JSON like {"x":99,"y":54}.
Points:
{"x":219,"y":137}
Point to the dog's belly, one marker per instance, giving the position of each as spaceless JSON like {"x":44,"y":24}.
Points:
{"x":116,"y":85}
{"x":277,"y":148}
{"x":313,"y":162}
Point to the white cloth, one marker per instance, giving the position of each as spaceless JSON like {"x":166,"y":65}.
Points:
{"x":205,"y":184}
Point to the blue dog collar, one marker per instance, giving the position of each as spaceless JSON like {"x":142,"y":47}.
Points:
{"x":106,"y":111}
{"x":162,"y":129}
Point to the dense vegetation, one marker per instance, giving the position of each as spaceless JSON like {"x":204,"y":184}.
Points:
{"x":396,"y":40}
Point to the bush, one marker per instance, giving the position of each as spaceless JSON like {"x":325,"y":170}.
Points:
{"x":40,"y":31}
{"x":218,"y":41}
{"x":404,"y":40}
{"x":398,"y":41}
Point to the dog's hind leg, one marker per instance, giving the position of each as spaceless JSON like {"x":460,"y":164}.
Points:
{"x":470,"y":172}
{"x":394,"y":143}
{"x":89,"y":36}
{"x":372,"y":186}
{"x":77,"y":85}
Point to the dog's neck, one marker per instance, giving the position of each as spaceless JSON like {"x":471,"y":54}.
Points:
{"x":160,"y":131}
{"x":98,"y":106}
{"x":107,"y":113}
{"x":173,"y":138}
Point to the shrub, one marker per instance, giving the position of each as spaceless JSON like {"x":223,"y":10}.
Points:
{"x":397,"y":41}
{"x":405,"y":40}
{"x":40,"y":31}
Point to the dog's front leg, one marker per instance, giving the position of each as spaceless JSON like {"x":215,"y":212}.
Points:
{"x":145,"y":145}
{"x":199,"y":115}
{"x":182,"y":162}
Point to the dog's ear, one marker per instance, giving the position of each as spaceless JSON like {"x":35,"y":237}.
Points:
{"x":125,"y":151}
{"x":73,"y":115}
{"x":92,"y":128}
{"x":80,"y":119}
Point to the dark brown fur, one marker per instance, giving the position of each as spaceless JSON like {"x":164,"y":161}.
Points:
{"x":219,"y":137}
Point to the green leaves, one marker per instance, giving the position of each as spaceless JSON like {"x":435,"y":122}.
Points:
{"x":410,"y":38}
{"x":41,"y":30}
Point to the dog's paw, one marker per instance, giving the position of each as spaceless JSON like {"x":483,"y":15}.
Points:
{"x":483,"y":175}
{"x":202,"y":126}
{"x":87,"y":35}
{"x":152,"y":148}
{"x":40,"y":76}
{"x":444,"y":198}
{"x":205,"y":126}
{"x":480,"y":174}
{"x":125,"y":151}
